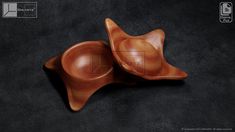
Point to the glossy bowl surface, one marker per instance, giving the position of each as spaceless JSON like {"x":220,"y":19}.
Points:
{"x":84,"y":68}
{"x":87,"y":61}
{"x":142,"y":55}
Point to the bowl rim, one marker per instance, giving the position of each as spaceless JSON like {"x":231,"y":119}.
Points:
{"x":78,"y":45}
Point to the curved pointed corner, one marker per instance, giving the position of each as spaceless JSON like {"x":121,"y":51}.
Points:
{"x":110,"y":24}
{"x":156,"y":37}
{"x":161,"y":34}
{"x":178,"y":74}
{"x":75,"y":101}
{"x":174,"y":73}
{"x":78,"y":96}
{"x":51,"y":63}
{"x":113,"y":29}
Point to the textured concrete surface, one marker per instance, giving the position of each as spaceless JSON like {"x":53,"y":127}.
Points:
{"x":30,"y":100}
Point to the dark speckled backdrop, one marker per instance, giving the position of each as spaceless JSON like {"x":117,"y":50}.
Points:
{"x":31,"y":101}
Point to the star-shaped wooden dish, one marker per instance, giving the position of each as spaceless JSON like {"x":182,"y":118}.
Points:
{"x":142,"y":55}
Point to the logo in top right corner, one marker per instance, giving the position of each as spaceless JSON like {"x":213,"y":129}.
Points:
{"x":226,"y":12}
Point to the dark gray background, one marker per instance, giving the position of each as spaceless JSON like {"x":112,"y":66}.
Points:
{"x":195,"y":41}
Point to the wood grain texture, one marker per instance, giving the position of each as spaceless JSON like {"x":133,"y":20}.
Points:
{"x":84,"y":68}
{"x":142,"y":55}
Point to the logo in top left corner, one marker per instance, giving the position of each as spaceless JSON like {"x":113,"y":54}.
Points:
{"x":19,"y":10}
